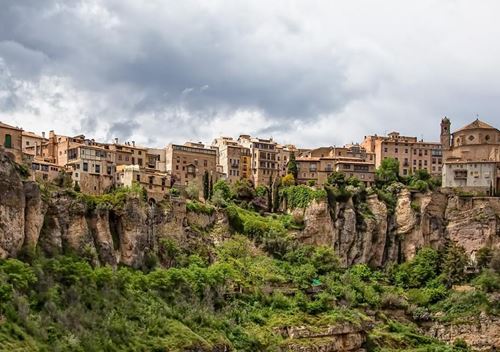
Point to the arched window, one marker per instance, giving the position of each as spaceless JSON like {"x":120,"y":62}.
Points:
{"x":8,"y":141}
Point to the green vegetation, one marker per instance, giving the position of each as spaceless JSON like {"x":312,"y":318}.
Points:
{"x":199,"y":208}
{"x":301,"y":196}
{"x":292,"y":167}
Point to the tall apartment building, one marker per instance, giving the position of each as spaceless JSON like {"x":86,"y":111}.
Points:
{"x":412,"y":154}
{"x":352,"y":160}
{"x":233,"y":158}
{"x":187,"y":163}
{"x":264,"y":159}
{"x":471,"y":157}
{"x":11,"y":141}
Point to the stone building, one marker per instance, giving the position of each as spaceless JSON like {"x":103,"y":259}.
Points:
{"x":471,"y":157}
{"x":33,"y":143}
{"x":264,"y":159}
{"x":156,"y":183}
{"x":233,"y":158}
{"x":412,"y":154}
{"x":42,"y":170}
{"x":187,"y":163}
{"x":352,"y":160}
{"x":11,"y":141}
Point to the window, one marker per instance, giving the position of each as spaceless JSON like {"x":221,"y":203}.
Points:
{"x":205,"y":163}
{"x":85,"y":167}
{"x":471,"y":138}
{"x":8,"y":141}
{"x":98,"y":169}
{"x":395,"y":150}
{"x":138,"y":178}
{"x":385,"y":150}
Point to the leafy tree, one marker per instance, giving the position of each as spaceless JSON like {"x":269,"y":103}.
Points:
{"x":454,"y":264}
{"x":243,"y":190}
{"x":337,"y":179}
{"x":223,"y":189}
{"x":193,"y":190}
{"x":483,"y":257}
{"x":292,"y":167}
{"x":261,"y":191}
{"x":388,"y":171}
{"x":418,"y":271}
{"x":77,"y":188}
{"x":288,"y":180}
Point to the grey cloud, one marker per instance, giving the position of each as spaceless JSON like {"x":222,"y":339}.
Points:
{"x":182,"y":65}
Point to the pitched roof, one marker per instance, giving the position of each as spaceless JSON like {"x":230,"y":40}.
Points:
{"x":4,"y":125}
{"x":476,"y":124}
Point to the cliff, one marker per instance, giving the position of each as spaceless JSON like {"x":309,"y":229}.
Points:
{"x":375,"y":236}
{"x":57,"y":221}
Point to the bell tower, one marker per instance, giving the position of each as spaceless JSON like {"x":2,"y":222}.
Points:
{"x":445,"y":133}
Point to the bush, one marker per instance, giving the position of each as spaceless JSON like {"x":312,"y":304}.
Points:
{"x":243,"y":190}
{"x":288,"y":180}
{"x":488,"y":281}
{"x":199,"y":208}
{"x":454,"y":264}
{"x":301,"y":196}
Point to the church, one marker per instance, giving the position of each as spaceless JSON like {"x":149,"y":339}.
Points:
{"x":471,"y":158}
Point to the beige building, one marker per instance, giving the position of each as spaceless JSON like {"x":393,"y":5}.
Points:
{"x":352,"y":160}
{"x":33,"y":143}
{"x":233,"y":158}
{"x":187,"y":163}
{"x":264,"y":159}
{"x":411,"y":153}
{"x":11,"y":141}
{"x":156,"y":183}
{"x":471,"y":157}
{"x":42,"y":170}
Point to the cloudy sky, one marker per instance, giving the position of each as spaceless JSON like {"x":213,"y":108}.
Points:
{"x":308,"y":72}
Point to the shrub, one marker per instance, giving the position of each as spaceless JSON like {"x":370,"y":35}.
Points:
{"x":199,"y":208}
{"x":488,"y":281}
{"x":454,"y":264}
{"x":301,"y":196}
{"x":243,"y":190}
{"x":288,"y":180}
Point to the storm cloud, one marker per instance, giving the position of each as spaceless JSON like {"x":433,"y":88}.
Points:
{"x":305,"y":72}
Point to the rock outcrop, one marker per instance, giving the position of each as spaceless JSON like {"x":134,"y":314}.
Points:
{"x":375,"y":236}
{"x":330,"y":338}
{"x":481,"y":334}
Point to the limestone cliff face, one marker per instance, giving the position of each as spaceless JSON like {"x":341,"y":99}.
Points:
{"x":375,"y":236}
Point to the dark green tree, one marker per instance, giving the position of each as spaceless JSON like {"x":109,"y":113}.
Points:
{"x":206,"y":185}
{"x":337,"y":179}
{"x":211,"y":187}
{"x":292,"y":167}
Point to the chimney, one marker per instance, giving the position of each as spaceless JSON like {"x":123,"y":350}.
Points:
{"x":116,"y":140}
{"x":43,"y":135}
{"x":133,"y":143}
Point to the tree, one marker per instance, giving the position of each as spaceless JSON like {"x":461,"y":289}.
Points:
{"x":288,"y":180}
{"x":337,"y":179}
{"x":193,"y":190}
{"x":206,"y":185}
{"x":211,"y":187}
{"x":292,"y":167}
{"x":454,"y":264}
{"x":223,"y":189}
{"x":243,"y":189}
{"x":388,"y":170}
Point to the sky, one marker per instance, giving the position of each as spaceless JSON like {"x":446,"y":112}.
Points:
{"x":311,"y":73}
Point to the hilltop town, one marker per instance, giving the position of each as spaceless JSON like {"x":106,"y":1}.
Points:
{"x":467,"y":159}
